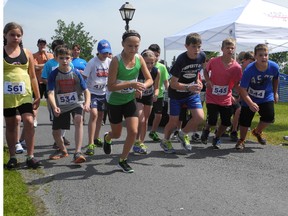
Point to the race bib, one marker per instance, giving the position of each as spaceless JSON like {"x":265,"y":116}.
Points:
{"x":14,"y":88}
{"x":219,"y":90}
{"x":148,"y":91}
{"x":256,"y":93}
{"x":67,"y":98}
{"x":126,"y":90}
{"x":99,"y":86}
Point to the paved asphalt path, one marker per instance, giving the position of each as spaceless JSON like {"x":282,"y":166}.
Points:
{"x":203,"y":182}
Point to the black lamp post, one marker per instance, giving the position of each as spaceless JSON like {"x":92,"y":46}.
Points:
{"x":127,"y":12}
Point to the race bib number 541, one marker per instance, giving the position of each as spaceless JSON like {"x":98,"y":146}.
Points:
{"x":67,"y":98}
{"x":14,"y":88}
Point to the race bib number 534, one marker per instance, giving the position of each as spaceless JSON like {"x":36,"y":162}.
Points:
{"x":67,"y":98}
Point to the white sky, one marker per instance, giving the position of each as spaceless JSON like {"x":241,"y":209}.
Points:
{"x":153,"y":19}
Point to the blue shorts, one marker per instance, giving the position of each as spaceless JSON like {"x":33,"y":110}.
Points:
{"x":191,"y":102}
{"x":98,"y":101}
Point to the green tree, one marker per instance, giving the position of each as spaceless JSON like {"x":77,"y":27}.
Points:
{"x":75,"y":34}
{"x":282,"y":59}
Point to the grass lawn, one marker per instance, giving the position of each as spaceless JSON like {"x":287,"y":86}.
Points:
{"x":17,"y":200}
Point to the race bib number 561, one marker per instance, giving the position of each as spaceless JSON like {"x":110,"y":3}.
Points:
{"x":14,"y":88}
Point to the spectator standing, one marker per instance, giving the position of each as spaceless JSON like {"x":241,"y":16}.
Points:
{"x":40,"y":58}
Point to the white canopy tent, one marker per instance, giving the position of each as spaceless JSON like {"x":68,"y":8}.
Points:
{"x":251,"y":23}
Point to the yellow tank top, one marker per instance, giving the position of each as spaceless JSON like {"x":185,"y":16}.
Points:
{"x":17,"y":85}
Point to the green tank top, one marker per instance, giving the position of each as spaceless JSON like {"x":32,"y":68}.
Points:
{"x":17,"y":85}
{"x":124,"y":74}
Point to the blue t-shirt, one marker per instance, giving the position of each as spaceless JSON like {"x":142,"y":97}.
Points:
{"x":49,"y":66}
{"x":79,"y":63}
{"x":259,"y":84}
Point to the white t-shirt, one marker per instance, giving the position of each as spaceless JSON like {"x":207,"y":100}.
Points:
{"x":96,"y":72}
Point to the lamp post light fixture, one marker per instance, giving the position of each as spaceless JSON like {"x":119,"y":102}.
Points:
{"x":127,"y":12}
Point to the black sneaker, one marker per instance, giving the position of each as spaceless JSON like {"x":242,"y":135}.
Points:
{"x":33,"y":163}
{"x":125,"y":167}
{"x":55,"y":146}
{"x":12,"y":164}
{"x":204,"y":136}
{"x":195,"y":138}
{"x":107,"y":145}
{"x":234,"y":136}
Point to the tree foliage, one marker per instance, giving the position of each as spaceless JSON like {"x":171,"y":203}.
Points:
{"x":75,"y":34}
{"x":282,"y":59}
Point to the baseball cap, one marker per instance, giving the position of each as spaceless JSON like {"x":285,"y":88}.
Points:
{"x":104,"y":47}
{"x":41,"y":40}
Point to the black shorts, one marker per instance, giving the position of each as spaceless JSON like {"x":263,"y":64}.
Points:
{"x":235,"y":107}
{"x":266,"y":112}
{"x":146,"y":100}
{"x":116,"y":112}
{"x":158,"y":106}
{"x":214,"y":110}
{"x":63,"y":120}
{"x":24,"y":108}
{"x":43,"y":90}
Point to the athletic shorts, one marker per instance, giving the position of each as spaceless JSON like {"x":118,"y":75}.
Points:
{"x":146,"y":100}
{"x":117,"y":112}
{"x":192,"y":102}
{"x":235,"y":107}
{"x":63,"y":121}
{"x":43,"y":90}
{"x":158,"y":106}
{"x":213,"y":110}
{"x":266,"y":112}
{"x":24,"y":108}
{"x":98,"y":101}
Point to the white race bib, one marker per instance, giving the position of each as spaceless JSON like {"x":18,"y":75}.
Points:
{"x":14,"y":88}
{"x":126,"y":90}
{"x":99,"y":86}
{"x":67,"y":98}
{"x":220,"y":90}
{"x":256,"y":93}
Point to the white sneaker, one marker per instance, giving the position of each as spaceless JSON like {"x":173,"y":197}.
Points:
{"x":35,"y":123}
{"x":19,"y":149}
{"x":23,"y":144}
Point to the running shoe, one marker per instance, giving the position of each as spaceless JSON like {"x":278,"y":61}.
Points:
{"x":216,"y":143}
{"x":79,"y":158}
{"x":154,"y":136}
{"x":184,"y":139}
{"x":23,"y":143}
{"x":195,"y":138}
{"x":12,"y":164}
{"x":204,"y":136}
{"x":35,"y":123}
{"x":175,"y":135}
{"x":166,"y":145}
{"x":240,"y":144}
{"x":90,"y":149}
{"x":259,"y":137}
{"x":33,"y":163}
{"x":58,"y":154}
{"x":107,"y":146}
{"x":139,"y":148}
{"x":98,"y":142}
{"x":125,"y":167}
{"x":18,"y":148}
